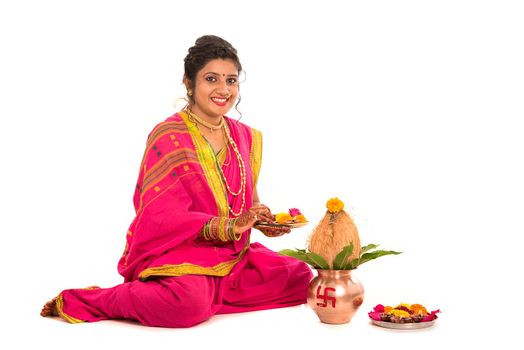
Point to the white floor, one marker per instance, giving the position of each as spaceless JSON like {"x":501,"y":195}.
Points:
{"x":295,"y":327}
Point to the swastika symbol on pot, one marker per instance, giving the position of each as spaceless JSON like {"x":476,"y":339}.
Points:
{"x":325,"y":297}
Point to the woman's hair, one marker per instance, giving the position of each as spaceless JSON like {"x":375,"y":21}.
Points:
{"x":207,"y":48}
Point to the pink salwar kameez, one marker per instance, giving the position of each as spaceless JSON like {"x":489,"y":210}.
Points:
{"x":173,"y":277}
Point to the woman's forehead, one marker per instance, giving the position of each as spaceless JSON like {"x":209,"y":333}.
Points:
{"x":220,"y":67}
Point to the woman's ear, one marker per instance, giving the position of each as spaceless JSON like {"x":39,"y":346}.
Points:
{"x":187,"y":83}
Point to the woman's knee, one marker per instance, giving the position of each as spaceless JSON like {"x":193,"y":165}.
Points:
{"x":174,"y":303}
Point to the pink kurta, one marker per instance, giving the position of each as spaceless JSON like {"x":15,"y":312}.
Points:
{"x":172,"y":276}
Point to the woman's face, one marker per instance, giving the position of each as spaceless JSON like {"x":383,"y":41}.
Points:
{"x":216,"y":88}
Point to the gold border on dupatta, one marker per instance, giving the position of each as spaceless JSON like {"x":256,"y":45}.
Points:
{"x":255,"y":154}
{"x":62,"y":314}
{"x":208,"y":162}
{"x":219,"y":270}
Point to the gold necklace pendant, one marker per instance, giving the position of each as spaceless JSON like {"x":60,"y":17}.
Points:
{"x":201,"y":121}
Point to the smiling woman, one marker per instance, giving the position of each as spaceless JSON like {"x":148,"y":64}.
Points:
{"x":188,"y":254}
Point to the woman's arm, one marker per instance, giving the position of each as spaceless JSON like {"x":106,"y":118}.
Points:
{"x":256,"y":199}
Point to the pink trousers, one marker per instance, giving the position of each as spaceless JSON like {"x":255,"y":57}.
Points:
{"x":262,"y":280}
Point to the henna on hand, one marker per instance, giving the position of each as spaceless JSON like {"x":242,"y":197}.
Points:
{"x":251,"y":216}
{"x":276,"y":231}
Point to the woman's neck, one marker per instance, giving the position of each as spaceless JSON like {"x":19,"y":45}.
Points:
{"x":211,"y":119}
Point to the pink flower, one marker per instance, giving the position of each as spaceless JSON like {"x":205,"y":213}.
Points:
{"x":377,"y":310}
{"x":294,"y":212}
{"x":374,"y":316}
{"x":431,"y":316}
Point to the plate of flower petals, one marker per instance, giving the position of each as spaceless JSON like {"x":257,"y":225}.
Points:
{"x":292,"y":219}
{"x":284,"y":224}
{"x":403,"y":316}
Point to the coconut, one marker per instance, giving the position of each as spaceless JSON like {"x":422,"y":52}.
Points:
{"x":335,"y":231}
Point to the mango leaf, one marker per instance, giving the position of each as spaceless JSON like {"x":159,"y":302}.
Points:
{"x":367,"y":247}
{"x":292,"y":253}
{"x":376,"y":254}
{"x":353,"y":264}
{"x":317,"y":261}
{"x":342,"y":258}
{"x":310,"y":258}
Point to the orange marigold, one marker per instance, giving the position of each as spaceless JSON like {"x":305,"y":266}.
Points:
{"x":299,"y":218}
{"x":281,"y":218}
{"x":419,"y":309}
{"x":399,"y":313}
{"x":334,"y":205}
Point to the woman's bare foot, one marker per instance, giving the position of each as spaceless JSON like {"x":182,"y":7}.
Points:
{"x":49,"y":309}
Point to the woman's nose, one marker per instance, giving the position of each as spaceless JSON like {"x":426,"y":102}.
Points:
{"x":223,"y":88}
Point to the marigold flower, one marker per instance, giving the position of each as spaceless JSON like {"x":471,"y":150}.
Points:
{"x":419,"y":309}
{"x":387,"y":309}
{"x":281,"y":218}
{"x":399,"y":313}
{"x":299,"y":218}
{"x":294,"y":212}
{"x":334,"y":205}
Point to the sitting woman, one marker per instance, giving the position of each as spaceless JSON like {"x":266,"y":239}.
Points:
{"x":188,"y":254}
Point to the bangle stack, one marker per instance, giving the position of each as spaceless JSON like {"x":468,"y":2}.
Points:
{"x":221,"y":229}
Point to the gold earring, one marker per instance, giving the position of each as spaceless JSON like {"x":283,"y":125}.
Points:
{"x":190,"y":93}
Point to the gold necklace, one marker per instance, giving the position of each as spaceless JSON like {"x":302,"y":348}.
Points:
{"x":242,"y":189}
{"x":241,"y":165}
{"x":201,"y":121}
{"x":227,"y":155}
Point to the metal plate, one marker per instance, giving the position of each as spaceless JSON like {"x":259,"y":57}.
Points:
{"x":393,"y":325}
{"x":290,"y":225}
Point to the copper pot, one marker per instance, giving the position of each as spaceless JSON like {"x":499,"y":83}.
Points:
{"x":335,"y":295}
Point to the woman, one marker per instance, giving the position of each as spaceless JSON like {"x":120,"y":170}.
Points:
{"x":188,"y":254}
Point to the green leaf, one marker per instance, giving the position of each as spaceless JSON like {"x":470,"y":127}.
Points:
{"x":367,"y":247}
{"x":376,"y":254}
{"x":317,"y":261}
{"x":353,"y":264}
{"x":341,"y":259}
{"x":294,"y":254}
{"x":310,"y":258}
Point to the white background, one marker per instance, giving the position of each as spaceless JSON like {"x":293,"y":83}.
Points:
{"x":408,"y":111}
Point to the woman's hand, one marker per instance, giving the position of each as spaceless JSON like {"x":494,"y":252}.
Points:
{"x":275,"y":231}
{"x":250,"y":217}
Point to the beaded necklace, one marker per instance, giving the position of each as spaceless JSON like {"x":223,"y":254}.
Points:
{"x":242,"y":167}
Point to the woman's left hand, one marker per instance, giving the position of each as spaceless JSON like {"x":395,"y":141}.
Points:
{"x":275,"y":231}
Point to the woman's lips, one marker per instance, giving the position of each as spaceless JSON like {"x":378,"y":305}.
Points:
{"x":220,"y":101}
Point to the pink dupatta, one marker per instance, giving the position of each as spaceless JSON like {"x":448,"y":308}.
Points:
{"x":179,"y":190}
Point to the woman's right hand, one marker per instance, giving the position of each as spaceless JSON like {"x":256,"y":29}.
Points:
{"x":251,"y":216}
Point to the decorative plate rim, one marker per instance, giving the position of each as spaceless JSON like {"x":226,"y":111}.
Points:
{"x":413,"y":325}
{"x":290,"y":225}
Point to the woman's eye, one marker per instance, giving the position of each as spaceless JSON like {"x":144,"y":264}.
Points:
{"x":211,"y":79}
{"x":232,"y":81}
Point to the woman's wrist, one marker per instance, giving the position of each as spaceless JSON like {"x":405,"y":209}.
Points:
{"x":221,"y":229}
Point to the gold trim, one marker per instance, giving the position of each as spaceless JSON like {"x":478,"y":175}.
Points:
{"x":256,"y":154}
{"x":209,"y":164}
{"x":219,"y":270}
{"x":59,"y":309}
